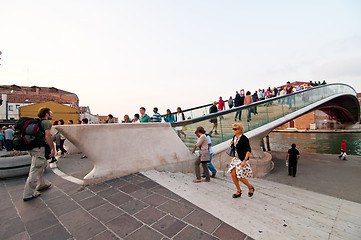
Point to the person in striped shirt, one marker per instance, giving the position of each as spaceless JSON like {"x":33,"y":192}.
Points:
{"x":156,"y":116}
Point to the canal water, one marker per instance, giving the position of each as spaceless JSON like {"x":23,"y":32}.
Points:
{"x":329,"y":143}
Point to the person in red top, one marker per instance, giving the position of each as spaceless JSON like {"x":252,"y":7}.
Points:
{"x":343,"y":150}
{"x":221,"y":104}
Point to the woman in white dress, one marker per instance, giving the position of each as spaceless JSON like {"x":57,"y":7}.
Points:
{"x":180,"y":117}
{"x":239,"y":167}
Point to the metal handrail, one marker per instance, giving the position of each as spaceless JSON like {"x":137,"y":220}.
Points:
{"x":220,"y":113}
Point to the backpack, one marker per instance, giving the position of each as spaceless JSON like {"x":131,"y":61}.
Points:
{"x":28,"y":134}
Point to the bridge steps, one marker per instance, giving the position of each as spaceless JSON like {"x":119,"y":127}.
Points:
{"x":276,"y":211}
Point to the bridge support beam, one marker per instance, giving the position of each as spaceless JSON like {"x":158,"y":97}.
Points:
{"x":121,"y":149}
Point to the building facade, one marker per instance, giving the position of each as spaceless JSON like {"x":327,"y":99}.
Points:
{"x":13,"y":97}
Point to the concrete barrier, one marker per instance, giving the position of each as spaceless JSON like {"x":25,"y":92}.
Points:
{"x":13,"y":166}
{"x":121,"y":149}
{"x":67,"y":144}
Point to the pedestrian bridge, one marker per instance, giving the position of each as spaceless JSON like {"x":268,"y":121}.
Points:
{"x":121,"y":149}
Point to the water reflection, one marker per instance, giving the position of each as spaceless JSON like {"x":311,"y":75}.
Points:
{"x":316,"y":142}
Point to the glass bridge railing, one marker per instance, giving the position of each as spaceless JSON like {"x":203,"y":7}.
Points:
{"x":262,"y":112}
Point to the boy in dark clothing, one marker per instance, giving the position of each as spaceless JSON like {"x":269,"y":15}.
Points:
{"x":293,"y":155}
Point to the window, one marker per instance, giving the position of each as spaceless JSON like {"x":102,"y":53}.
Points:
{"x":17,"y":106}
{"x":11,"y":108}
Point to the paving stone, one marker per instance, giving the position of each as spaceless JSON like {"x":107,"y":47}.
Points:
{"x":141,"y":194}
{"x":20,"y":236}
{"x":124,"y":225}
{"x":176,"y":209}
{"x":11,"y":227}
{"x":155,"y":200}
{"x":129,"y":188}
{"x":169,"y":226}
{"x":192,"y":233}
{"x":88,"y":230}
{"x":52,"y":192}
{"x":117,"y":183}
{"x":166,"y":192}
{"x":8,"y":212}
{"x":75,"y":218}
{"x":133,"y":206}
{"x":107,"y":192}
{"x":227,"y":232}
{"x":145,"y":232}
{"x":58,"y":200}
{"x":118,"y":198}
{"x":203,"y":220}
{"x":92,"y":202}
{"x":40,"y":222}
{"x":64,"y":208}
{"x":56,"y":231}
{"x":98,"y":187}
{"x":82,"y":195}
{"x":108,"y":235}
{"x":149,"y":215}
{"x":106,"y":212}
{"x":149,"y":184}
{"x":139,"y":179}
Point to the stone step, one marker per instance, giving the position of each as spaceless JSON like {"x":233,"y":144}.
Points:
{"x":276,"y":211}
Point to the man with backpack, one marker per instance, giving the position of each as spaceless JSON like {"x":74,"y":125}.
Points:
{"x":35,"y":182}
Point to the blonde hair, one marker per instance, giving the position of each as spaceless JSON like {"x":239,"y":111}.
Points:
{"x":238,"y":126}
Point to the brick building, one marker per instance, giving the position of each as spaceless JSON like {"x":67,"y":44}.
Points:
{"x":13,"y":97}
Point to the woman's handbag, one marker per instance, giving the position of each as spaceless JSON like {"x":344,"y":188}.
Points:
{"x":230,"y":151}
{"x":205,"y":155}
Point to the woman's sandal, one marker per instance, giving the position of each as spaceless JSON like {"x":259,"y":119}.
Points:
{"x":250,"y":194}
{"x":237,"y":194}
{"x":197,"y":180}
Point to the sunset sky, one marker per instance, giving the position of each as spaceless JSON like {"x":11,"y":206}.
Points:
{"x":120,"y":55}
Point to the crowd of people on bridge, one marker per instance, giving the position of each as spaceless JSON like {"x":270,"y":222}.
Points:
{"x":241,"y":98}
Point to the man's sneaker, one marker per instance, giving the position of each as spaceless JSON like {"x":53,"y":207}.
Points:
{"x":213,"y":175}
{"x":53,"y":160}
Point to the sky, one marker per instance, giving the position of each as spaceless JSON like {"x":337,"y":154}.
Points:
{"x":120,"y":55}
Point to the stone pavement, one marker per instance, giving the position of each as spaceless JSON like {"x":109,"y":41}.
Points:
{"x":130,"y":207}
{"x":322,"y":202}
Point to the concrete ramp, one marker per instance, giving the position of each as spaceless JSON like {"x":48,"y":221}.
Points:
{"x":276,"y":211}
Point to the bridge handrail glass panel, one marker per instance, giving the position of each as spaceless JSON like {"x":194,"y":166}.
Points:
{"x":259,"y":113}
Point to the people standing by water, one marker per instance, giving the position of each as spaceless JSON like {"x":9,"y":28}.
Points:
{"x":292,"y":156}
{"x":343,"y":150}
{"x":169,"y":117}
{"x":180,"y":117}
{"x":213,"y":109}
{"x":204,"y":155}
{"x":239,"y":167}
